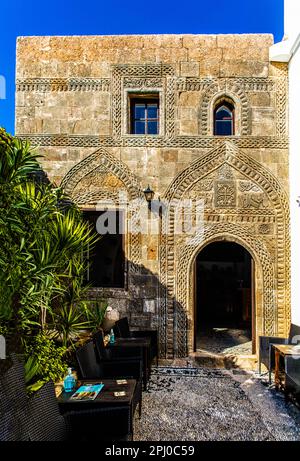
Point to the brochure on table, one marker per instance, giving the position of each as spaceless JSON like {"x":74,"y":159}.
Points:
{"x":87,"y":392}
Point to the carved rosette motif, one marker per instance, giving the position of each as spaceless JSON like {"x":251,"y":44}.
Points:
{"x":225,"y":194}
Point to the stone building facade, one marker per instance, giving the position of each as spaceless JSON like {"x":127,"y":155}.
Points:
{"x":73,"y":101}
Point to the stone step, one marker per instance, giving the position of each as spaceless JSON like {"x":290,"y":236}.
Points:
{"x":212,"y":360}
{"x":209,"y":360}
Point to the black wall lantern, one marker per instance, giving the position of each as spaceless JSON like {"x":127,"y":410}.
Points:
{"x":149,"y":195}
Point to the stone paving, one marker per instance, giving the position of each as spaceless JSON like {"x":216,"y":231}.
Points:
{"x":198,"y":404}
{"x":225,"y":341}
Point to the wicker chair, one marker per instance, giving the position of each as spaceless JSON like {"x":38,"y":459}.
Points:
{"x":90,"y":368}
{"x":38,"y":418}
{"x":44,"y":421}
{"x":266,"y":351}
{"x":24,"y":419}
{"x":106,"y":354}
{"x":122,"y":330}
{"x":292,"y":377}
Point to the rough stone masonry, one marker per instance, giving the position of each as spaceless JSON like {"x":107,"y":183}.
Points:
{"x":73,"y":101}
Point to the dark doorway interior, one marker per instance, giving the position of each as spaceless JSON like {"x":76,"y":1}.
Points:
{"x":107,"y":260}
{"x":224,"y":299}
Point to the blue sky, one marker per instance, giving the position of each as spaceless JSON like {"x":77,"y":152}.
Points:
{"x":96,"y":17}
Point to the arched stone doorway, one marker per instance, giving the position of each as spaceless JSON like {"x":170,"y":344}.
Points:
{"x":242,"y":202}
{"x":263,"y":279}
{"x":224,"y":299}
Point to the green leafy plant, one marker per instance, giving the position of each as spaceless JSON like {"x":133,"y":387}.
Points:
{"x":44,"y":361}
{"x":68,"y":322}
{"x":43,"y":246}
{"x":95,"y":313}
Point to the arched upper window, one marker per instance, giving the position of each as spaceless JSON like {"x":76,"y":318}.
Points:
{"x":224,"y":119}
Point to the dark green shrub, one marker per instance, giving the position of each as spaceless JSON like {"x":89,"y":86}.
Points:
{"x":44,"y":361}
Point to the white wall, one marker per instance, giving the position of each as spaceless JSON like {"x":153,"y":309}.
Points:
{"x":289,"y":51}
{"x":294,"y":131}
{"x":292,"y":31}
{"x":291,"y":18}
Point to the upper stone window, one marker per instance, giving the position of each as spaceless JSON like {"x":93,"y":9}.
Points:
{"x":224,"y":119}
{"x":144,"y":114}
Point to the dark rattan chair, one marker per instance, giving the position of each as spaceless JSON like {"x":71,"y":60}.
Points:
{"x":12,"y":386}
{"x":122,"y":330}
{"x":292,"y":377}
{"x":44,"y":421}
{"x":38,"y":418}
{"x":266,"y":351}
{"x":91,"y":368}
{"x":24,"y":419}
{"x":105,"y":354}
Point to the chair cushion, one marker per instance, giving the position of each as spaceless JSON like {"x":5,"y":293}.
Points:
{"x":294,"y":336}
{"x":13,"y":387}
{"x":45,"y":423}
{"x":13,"y":425}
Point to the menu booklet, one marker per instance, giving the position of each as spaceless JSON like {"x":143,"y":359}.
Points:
{"x":87,"y":392}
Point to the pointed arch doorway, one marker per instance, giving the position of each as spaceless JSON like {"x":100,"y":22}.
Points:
{"x":224,"y":299}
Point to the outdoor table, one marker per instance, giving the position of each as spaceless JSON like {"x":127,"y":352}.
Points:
{"x":145,"y":344}
{"x":81,"y":412}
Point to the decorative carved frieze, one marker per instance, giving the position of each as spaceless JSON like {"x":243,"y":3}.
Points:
{"x":102,"y":162}
{"x":144,"y":70}
{"x":193,"y":84}
{"x":98,"y":186}
{"x":43,"y":85}
{"x":281,"y":103}
{"x":247,"y":84}
{"x":239,"y":215}
{"x":256,"y":84}
{"x":204,"y":185}
{"x":225,"y":172}
{"x":265,"y":229}
{"x":143,"y":83}
{"x":191,"y":142}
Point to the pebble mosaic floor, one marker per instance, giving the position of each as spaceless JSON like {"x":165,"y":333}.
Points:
{"x":198,"y":404}
{"x":225,"y":341}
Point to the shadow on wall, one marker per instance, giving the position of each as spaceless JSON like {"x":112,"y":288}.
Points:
{"x":144,"y":302}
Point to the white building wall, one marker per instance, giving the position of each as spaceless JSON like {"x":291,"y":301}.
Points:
{"x":294,"y":124}
{"x":291,"y":19}
{"x":289,"y":51}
